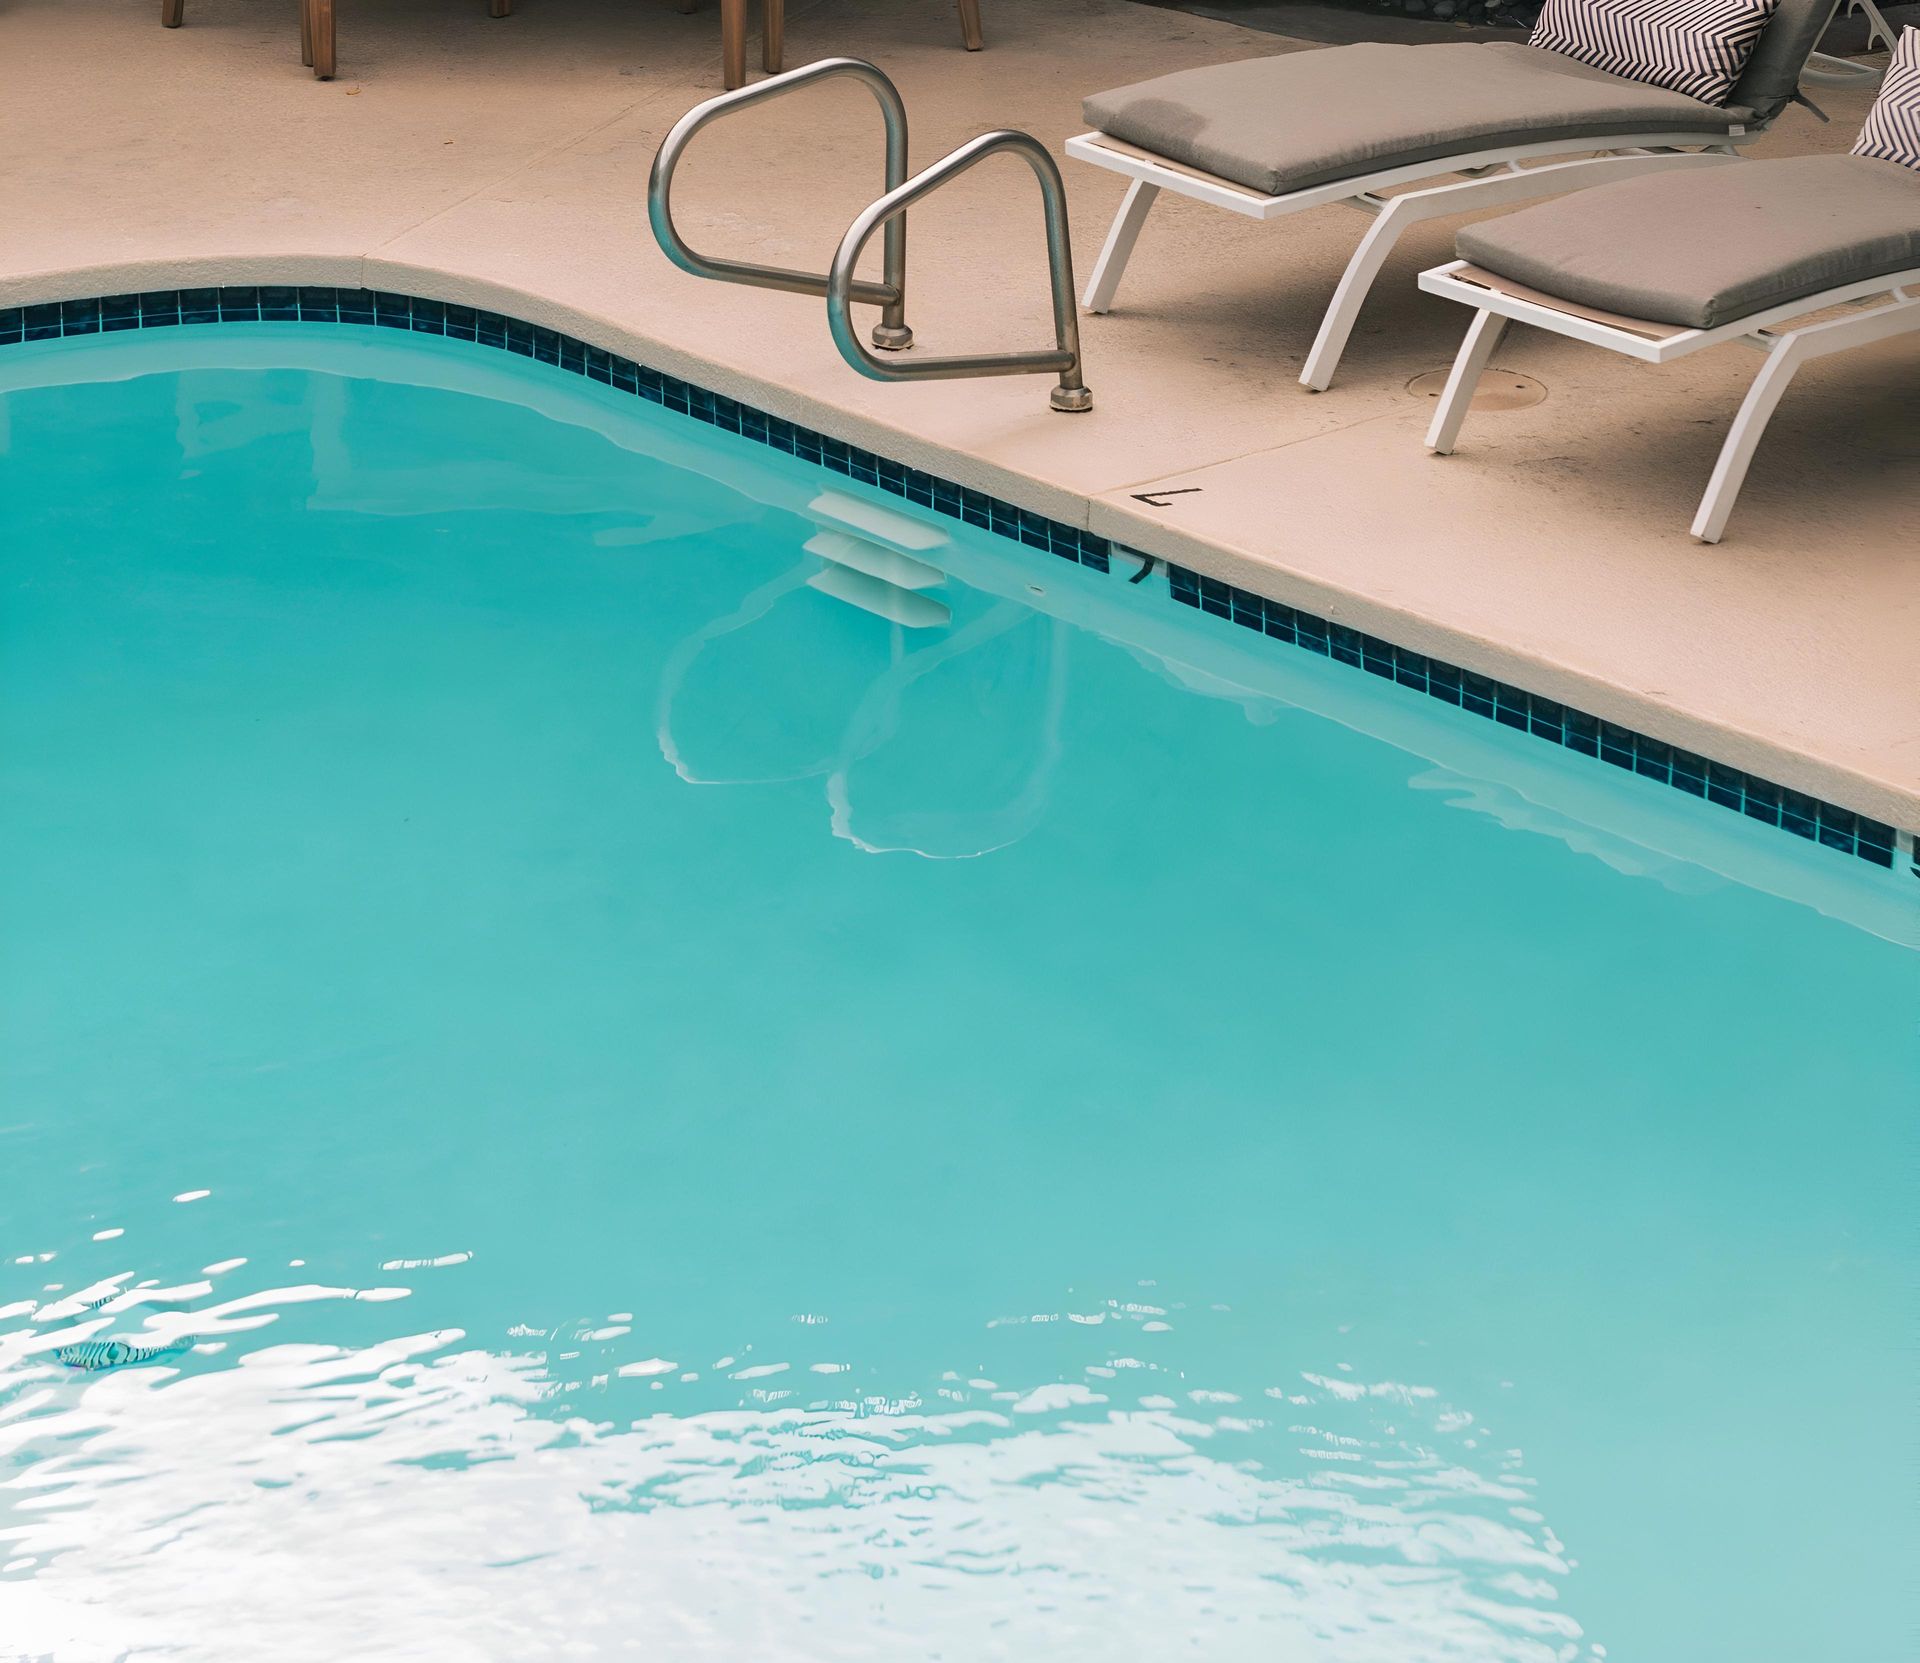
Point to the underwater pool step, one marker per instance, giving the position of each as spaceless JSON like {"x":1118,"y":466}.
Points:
{"x":837,"y":511}
{"x":860,"y":554}
{"x":883,"y":599}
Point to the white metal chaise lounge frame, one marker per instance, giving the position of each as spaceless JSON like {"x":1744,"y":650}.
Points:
{"x":1786,"y":350}
{"x":1826,"y":70}
{"x":1501,"y":181}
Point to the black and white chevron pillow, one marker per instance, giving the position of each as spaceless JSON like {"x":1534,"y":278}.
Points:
{"x":1697,"y":47}
{"x":1892,"y":131}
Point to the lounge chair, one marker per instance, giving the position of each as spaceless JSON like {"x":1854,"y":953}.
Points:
{"x":1659,"y":268}
{"x":1278,"y":135}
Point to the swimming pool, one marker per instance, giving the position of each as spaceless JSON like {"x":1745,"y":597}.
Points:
{"x":695,"y":1105}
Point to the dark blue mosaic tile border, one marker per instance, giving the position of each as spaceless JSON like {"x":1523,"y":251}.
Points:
{"x":171,"y":308}
{"x":1514,"y":707}
{"x":1819,"y":822}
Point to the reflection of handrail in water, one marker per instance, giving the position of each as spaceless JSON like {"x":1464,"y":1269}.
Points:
{"x":756,"y":605}
{"x":876,"y":719}
{"x":887,"y":687}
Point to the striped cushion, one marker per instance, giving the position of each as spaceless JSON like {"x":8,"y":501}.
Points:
{"x":1892,"y":131}
{"x":1697,"y":47}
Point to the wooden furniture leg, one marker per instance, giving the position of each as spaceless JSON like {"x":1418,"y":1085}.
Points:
{"x":320,"y":23}
{"x":970,"y":25}
{"x":170,"y":13}
{"x":773,"y":34}
{"x":499,"y":8}
{"x":686,"y":8}
{"x":733,"y":43}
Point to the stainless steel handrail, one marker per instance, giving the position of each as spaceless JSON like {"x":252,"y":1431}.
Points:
{"x":889,"y":294}
{"x":841,"y":287}
{"x":1071,"y":393}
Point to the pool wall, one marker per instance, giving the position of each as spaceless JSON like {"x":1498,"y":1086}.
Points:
{"x":1818,"y":821}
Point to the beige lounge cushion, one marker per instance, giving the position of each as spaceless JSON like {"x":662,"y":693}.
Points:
{"x":1702,"y":246}
{"x":1300,"y":119}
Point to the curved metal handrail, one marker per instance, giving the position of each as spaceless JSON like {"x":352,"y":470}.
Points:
{"x":840,"y":286}
{"x":843,"y":288}
{"x":889,"y":294}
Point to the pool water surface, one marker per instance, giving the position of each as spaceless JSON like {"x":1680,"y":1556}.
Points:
{"x":684,"y":1118}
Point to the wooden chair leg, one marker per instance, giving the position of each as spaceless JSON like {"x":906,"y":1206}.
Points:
{"x":733,"y":43}
{"x":306,"y":33}
{"x":322,"y":26}
{"x":773,"y":34}
{"x":499,"y":8}
{"x":970,"y":25}
{"x":170,"y":13}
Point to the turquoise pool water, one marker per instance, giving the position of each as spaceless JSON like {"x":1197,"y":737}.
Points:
{"x":685,"y":1119}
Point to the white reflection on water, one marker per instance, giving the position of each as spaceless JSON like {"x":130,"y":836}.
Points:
{"x":942,"y":745}
{"x":422,"y":1498}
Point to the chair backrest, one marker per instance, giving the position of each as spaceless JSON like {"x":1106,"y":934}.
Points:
{"x":1772,"y":76}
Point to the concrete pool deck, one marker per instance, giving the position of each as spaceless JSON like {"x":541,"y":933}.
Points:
{"x":503,"y":163}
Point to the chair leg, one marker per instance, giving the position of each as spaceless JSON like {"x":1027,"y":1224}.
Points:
{"x":970,"y":25}
{"x":1351,"y":294}
{"x":1118,"y":248}
{"x":773,"y":35}
{"x":733,"y":43}
{"x":1476,"y":351}
{"x":499,"y":8}
{"x":322,"y":39}
{"x":1900,"y":316}
{"x":171,"y":12}
{"x":1743,"y":438}
{"x":306,"y":33}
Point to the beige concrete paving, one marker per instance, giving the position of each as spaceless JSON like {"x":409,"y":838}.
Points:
{"x":504,"y":162}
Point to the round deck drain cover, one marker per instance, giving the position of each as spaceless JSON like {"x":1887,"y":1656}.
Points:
{"x":1498,"y":389}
